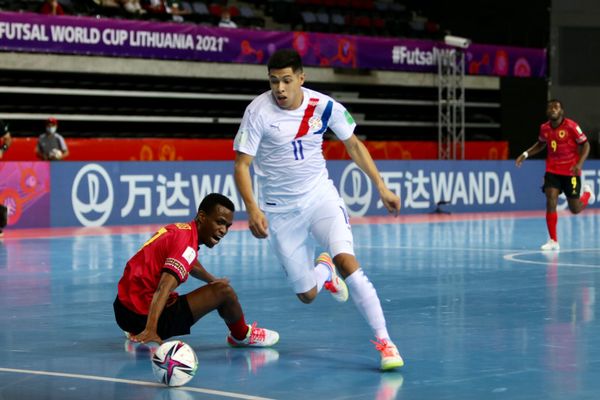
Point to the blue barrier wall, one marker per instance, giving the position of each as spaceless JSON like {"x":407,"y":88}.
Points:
{"x":123,"y":193}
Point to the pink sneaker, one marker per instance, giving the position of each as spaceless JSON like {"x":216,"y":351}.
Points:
{"x":256,"y":337}
{"x":336,"y":285}
{"x":390,"y":357}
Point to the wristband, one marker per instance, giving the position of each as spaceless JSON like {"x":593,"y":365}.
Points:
{"x":525,"y":154}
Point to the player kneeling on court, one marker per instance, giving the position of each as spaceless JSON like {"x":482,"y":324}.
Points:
{"x":147,"y":307}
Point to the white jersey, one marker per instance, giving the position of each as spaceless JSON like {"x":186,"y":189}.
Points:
{"x":287,"y":146}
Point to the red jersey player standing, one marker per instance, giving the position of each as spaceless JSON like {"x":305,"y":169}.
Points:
{"x":568,"y":148}
{"x":147,"y":307}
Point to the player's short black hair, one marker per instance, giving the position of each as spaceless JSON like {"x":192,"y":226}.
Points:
{"x":209,"y":203}
{"x":3,"y":127}
{"x":555,"y":100}
{"x":285,"y":58}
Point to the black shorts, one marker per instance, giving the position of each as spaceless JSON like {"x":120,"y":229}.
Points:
{"x":175,"y":320}
{"x":569,"y":185}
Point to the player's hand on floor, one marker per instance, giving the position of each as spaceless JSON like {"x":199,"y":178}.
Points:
{"x":146,"y":336}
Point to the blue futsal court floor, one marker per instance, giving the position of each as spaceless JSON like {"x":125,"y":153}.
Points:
{"x":477,"y":311}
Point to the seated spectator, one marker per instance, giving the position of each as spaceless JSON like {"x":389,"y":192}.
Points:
{"x":5,"y":138}
{"x":165,"y":7}
{"x":133,"y":6}
{"x":176,"y":10}
{"x":154,"y":6}
{"x":52,"y":7}
{"x":226,"y":21}
{"x":107,"y":3}
{"x":51,"y":146}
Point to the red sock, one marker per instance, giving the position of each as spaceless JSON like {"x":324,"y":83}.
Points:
{"x":239,"y":329}
{"x":585,"y":198}
{"x":551,"y":220}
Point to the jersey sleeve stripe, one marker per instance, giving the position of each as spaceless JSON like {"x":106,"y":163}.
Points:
{"x":308,"y":113}
{"x":177,"y":268}
{"x":325,"y":117}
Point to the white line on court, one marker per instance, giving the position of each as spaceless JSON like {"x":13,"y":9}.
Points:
{"x":430,"y":248}
{"x":133,"y":382}
{"x":514,"y":257}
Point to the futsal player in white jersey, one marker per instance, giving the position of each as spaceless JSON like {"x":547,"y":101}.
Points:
{"x":281,"y":134}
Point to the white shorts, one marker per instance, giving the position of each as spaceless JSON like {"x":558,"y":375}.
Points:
{"x":293,"y":236}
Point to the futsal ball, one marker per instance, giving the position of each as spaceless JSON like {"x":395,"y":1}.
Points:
{"x":56,"y":154}
{"x":174,"y":363}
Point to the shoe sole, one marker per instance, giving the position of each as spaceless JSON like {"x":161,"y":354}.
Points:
{"x":392,"y":365}
{"x":251,"y":346}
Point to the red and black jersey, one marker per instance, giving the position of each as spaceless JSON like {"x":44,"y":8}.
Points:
{"x":173,"y":249}
{"x":562,"y":143}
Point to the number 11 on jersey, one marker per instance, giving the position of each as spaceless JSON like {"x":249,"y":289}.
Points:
{"x":298,"y":151}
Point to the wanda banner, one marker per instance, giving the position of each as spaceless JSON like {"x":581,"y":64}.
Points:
{"x":29,"y":32}
{"x":95,"y":194}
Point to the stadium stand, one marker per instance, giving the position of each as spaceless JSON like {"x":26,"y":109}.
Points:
{"x":97,"y":105}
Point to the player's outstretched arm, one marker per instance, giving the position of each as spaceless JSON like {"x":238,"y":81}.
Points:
{"x":166,"y":285}
{"x":360,"y":155}
{"x":257,"y":221}
{"x":533,"y":150}
{"x":199,"y":272}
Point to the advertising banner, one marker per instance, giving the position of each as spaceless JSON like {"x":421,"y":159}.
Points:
{"x":169,"y":149}
{"x":29,"y":32}
{"x":113,"y":193}
{"x":25,"y":191}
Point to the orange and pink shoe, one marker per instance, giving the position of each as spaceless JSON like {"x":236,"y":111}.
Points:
{"x":256,"y":337}
{"x":336,"y":285}
{"x":390,"y":357}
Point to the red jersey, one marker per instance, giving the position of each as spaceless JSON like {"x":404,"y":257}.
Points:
{"x":562,"y":143}
{"x":172,"y":249}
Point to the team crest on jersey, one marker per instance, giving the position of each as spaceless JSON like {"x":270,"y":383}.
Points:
{"x":180,"y":225}
{"x":562,"y":133}
{"x":315,"y":123}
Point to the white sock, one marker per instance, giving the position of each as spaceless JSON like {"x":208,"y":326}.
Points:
{"x":322,"y":274}
{"x":366,"y":300}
